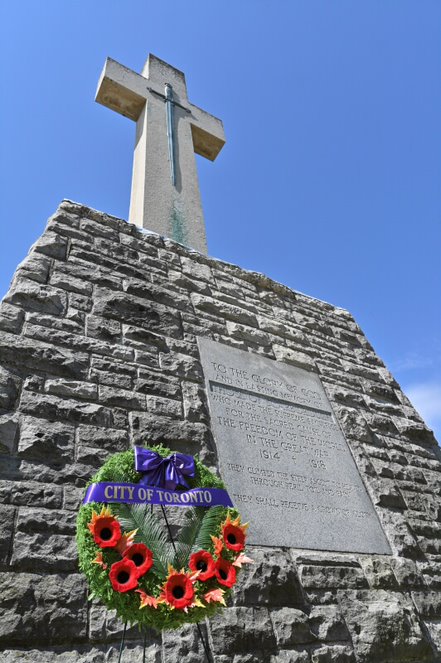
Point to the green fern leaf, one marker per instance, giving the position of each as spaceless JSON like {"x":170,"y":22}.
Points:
{"x":150,"y":532}
{"x":210,"y":525}
{"x":187,"y":536}
{"x":196,"y":534}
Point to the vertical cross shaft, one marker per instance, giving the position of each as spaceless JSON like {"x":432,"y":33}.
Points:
{"x":169,"y":130}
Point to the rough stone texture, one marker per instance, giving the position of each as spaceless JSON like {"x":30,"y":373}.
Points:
{"x":98,"y":350}
{"x":384,"y":626}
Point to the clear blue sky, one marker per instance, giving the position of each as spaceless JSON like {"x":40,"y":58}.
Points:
{"x":330,"y":181}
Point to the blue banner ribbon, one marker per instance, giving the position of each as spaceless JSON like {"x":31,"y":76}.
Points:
{"x":139,"y":493}
{"x":167,"y":472}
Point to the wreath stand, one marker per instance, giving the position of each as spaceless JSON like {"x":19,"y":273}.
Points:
{"x":201,"y":635}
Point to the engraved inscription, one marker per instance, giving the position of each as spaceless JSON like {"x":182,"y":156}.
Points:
{"x":283,"y":456}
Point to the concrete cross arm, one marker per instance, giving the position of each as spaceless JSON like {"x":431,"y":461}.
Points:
{"x":122,"y":89}
{"x":208,"y":133}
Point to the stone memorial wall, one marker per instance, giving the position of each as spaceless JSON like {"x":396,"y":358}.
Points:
{"x":110,"y":336}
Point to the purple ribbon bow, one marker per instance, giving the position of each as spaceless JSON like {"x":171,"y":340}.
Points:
{"x":164,"y":472}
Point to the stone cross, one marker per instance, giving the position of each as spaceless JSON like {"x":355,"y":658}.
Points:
{"x":169,"y":129}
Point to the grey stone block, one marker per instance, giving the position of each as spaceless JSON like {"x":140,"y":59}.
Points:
{"x":294,"y":357}
{"x":60,"y":279}
{"x":112,"y":379}
{"x":41,"y":609}
{"x":31,"y":493}
{"x":223,"y":310}
{"x":116,"y":251}
{"x":181,"y":281}
{"x":384,"y":627}
{"x":148,"y":359}
{"x":92,"y":457}
{"x":35,"y":268}
{"x":327,"y":623}
{"x":183,"y":645}
{"x":379,"y":573}
{"x":197,"y":270}
{"x":53,"y":245}
{"x":400,"y":535}
{"x":181,"y":365}
{"x":99,"y":229}
{"x":71,"y":323}
{"x":272,"y":325}
{"x":35,"y":297}
{"x":58,"y":409}
{"x":138,"y":312}
{"x":73,"y":497}
{"x":45,"y":552}
{"x":185,"y":347}
{"x":155,"y":428}
{"x":141,"y":244}
{"x":117,"y":366}
{"x":354,"y":424}
{"x":106,"y":626}
{"x":166,"y":295}
{"x":154,"y":382}
{"x":327,"y":577}
{"x":8,"y":433}
{"x":290,"y":656}
{"x":44,"y":541}
{"x":85,"y":344}
{"x":202,"y":326}
{"x":406,"y":572}
{"x":428,"y":604}
{"x":7,"y":516}
{"x":9,"y":389}
{"x":93,"y":274}
{"x":26,"y":354}
{"x":164,"y":406}
{"x":72,"y":389}
{"x":195,"y":408}
{"x":241,"y":630}
{"x":291,"y":627}
{"x":244,"y":333}
{"x":271,"y":581}
{"x":334,"y":654}
{"x":11,"y":318}
{"x":111,"y":440}
{"x":46,"y":440}
{"x":80,"y":302}
{"x":434,"y":629}
{"x":121,"y":398}
{"x":431,"y":574}
{"x":145,"y":337}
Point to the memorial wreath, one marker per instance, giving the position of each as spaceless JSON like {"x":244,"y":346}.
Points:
{"x":129,"y":556}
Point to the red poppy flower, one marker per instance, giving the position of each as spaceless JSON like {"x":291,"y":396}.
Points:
{"x":124,"y":575}
{"x":178,"y":591}
{"x":141,"y":556}
{"x":234,"y":534}
{"x":202,"y":561}
{"x":225,"y":572}
{"x":105,"y":528}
